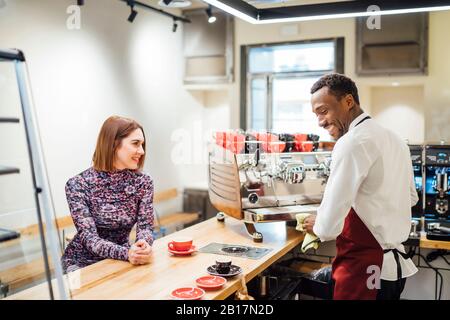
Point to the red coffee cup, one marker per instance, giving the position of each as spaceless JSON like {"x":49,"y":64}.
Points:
{"x":299,"y":139}
{"x":308,"y":146}
{"x":271,"y":143}
{"x":221,"y":138}
{"x":236,"y":142}
{"x":180,"y":244}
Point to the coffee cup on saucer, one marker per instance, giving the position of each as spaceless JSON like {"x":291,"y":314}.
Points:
{"x":223,"y":266}
{"x":180,"y":244}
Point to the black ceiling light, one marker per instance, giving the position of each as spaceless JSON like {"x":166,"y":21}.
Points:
{"x":175,"y":25}
{"x":211,"y":17}
{"x":135,"y":3}
{"x":80,"y":2}
{"x":133,"y":12}
{"x":253,"y":12}
{"x":167,"y":2}
{"x":132,"y":15}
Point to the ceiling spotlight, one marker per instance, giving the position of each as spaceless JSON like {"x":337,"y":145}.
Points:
{"x":175,"y":26}
{"x":132,"y":15}
{"x":211,"y":17}
{"x":80,"y":2}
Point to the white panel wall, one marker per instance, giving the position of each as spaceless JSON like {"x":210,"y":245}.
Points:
{"x":400,"y":109}
{"x":81,"y":77}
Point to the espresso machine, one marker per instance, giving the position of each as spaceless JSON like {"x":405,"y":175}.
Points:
{"x":260,"y":186}
{"x":437,"y":194}
{"x":417,"y":163}
{"x":437,"y":171}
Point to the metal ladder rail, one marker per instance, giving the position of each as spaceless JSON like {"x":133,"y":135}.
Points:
{"x":42,"y":192}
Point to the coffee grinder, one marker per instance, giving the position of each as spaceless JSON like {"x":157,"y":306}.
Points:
{"x":437,"y":171}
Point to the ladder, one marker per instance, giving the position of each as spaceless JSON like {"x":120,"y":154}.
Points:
{"x":42,"y":193}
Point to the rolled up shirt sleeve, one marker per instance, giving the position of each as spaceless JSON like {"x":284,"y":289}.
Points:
{"x":350,"y":165}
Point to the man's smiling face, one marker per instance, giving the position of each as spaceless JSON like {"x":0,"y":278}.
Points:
{"x":332,"y":113}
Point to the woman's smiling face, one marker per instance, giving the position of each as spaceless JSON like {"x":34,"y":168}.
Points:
{"x":130,"y":151}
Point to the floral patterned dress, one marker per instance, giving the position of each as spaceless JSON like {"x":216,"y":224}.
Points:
{"x":104,"y":207}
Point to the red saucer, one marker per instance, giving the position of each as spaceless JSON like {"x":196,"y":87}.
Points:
{"x":183,"y":253}
{"x":210,"y":282}
{"x":187,"y":293}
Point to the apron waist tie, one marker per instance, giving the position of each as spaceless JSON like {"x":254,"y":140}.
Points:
{"x":397,"y":261}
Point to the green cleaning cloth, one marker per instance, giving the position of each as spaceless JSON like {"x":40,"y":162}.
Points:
{"x":310,"y":241}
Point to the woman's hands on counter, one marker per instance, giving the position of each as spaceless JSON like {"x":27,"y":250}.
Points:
{"x":140,"y":253}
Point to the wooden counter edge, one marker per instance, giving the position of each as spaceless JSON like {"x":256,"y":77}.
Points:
{"x":433,"y":244}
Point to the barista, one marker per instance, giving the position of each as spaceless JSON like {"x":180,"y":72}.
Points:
{"x":368,"y":198}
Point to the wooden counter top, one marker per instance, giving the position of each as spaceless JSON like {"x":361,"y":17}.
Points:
{"x":111,"y":279}
{"x":433,"y":244}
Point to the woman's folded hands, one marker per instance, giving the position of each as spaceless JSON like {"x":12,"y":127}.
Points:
{"x":140,"y":253}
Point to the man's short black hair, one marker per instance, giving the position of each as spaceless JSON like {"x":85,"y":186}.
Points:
{"x":338,"y":85}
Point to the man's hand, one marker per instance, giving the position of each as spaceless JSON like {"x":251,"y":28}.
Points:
{"x":308,"y":223}
{"x":140,"y":253}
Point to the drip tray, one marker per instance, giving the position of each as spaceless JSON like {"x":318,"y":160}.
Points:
{"x":235,"y":250}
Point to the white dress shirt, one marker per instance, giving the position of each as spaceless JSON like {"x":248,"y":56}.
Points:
{"x":371,"y":171}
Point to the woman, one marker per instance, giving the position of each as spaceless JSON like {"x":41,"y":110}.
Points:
{"x":109,"y":198}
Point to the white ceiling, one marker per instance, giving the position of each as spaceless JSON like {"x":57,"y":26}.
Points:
{"x":261,"y":4}
{"x":196,"y":4}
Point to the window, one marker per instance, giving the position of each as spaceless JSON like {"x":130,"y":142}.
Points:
{"x":278,"y":79}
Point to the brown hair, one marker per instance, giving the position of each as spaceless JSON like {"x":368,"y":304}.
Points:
{"x":113,"y":131}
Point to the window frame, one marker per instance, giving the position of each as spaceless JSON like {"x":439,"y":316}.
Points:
{"x":247,"y":77}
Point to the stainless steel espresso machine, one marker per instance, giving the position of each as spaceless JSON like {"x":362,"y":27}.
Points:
{"x":262,"y":187}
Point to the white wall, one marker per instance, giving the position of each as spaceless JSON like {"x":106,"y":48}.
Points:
{"x":80,"y":77}
{"x":437,"y":89}
{"x":396,"y":108}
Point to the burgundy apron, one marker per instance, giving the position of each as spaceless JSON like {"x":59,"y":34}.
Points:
{"x":357,"y":249}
